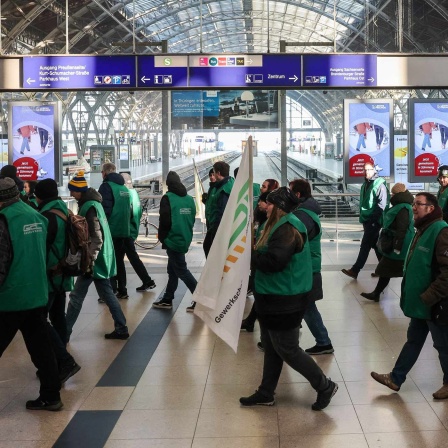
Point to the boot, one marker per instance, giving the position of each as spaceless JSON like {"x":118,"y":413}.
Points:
{"x":375,"y":296}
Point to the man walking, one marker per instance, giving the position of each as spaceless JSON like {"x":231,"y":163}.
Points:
{"x":102,"y":250}
{"x":24,"y":290}
{"x":425,"y":282}
{"x":374,"y":199}
{"x":177,"y":216}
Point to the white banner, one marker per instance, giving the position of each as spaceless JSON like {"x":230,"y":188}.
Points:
{"x":222,"y":288}
{"x":198,"y":190}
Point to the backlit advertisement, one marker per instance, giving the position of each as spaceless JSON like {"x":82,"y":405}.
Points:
{"x":33,"y":140}
{"x":401,"y":161}
{"x":368,"y":138}
{"x":428,"y":136}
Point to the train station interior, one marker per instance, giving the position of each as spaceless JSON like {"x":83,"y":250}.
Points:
{"x":174,"y":383}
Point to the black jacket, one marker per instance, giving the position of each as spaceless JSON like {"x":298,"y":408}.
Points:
{"x":106,"y":191}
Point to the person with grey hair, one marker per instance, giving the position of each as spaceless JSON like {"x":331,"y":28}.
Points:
{"x":24,"y":290}
{"x":117,"y":207}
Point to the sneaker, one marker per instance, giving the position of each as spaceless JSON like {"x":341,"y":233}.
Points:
{"x":245,"y":326}
{"x":324,"y":396}
{"x":371,"y":296}
{"x":101,"y":300}
{"x":442,"y":393}
{"x":190,"y":309}
{"x":122,"y":295}
{"x":257,"y":399}
{"x":350,"y":272}
{"x":386,"y":380}
{"x":260,"y":347}
{"x":68,"y":370}
{"x":320,"y":350}
{"x":42,"y":405}
{"x":146,"y":286}
{"x":163,"y":304}
{"x":249,"y":292}
{"x":115,"y":335}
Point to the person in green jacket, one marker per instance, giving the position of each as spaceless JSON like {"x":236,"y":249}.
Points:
{"x":24,"y":290}
{"x":425,"y":283}
{"x":49,"y":205}
{"x":374,"y":199}
{"x":102,"y":251}
{"x":177,"y":217}
{"x":442,"y":194}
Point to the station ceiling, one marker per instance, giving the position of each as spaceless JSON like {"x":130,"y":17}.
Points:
{"x":232,"y":26}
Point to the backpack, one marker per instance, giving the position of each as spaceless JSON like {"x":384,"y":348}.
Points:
{"x":78,"y":259}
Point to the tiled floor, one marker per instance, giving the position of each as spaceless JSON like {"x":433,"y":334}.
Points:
{"x":175,"y":385}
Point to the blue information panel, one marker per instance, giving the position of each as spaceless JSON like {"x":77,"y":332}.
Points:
{"x":339,"y":70}
{"x":161,"y":72}
{"x":78,"y":72}
{"x":245,"y":71}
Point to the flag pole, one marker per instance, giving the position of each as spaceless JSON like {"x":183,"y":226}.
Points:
{"x":199,"y":177}
{"x":249,"y":147}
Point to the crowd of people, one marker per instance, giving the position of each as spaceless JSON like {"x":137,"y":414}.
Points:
{"x":408,"y":234}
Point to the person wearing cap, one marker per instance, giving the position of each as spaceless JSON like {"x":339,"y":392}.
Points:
{"x":102,"y":250}
{"x":442,"y":194}
{"x":117,"y":207}
{"x":129,"y":243}
{"x":176,"y":222}
{"x":398,"y":227}
{"x":49,"y":204}
{"x":24,"y":290}
{"x":373,"y":200}
{"x":424,"y":285}
{"x":282,"y":282}
{"x":308,"y":211}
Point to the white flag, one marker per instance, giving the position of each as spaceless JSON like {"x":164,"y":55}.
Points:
{"x":200,"y":208}
{"x":222,"y":288}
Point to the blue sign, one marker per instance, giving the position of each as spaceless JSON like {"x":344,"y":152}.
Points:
{"x":245,"y":71}
{"x":339,"y":70}
{"x":162,"y":72}
{"x":78,"y":72}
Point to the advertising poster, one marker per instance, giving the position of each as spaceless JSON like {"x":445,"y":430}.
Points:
{"x":401,"y":162}
{"x":368,"y":138}
{"x":428,"y":135}
{"x":236,"y":109}
{"x":3,"y":150}
{"x":32,"y":134}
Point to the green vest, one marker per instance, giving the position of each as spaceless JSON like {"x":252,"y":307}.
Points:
{"x":105,"y":265}
{"x":367,"y":198}
{"x":120,"y":218}
{"x":136,"y":215}
{"x":297,"y":277}
{"x":211,"y":191}
{"x":417,"y":275}
{"x":315,"y":247}
{"x":212,"y":201}
{"x":25,"y":286}
{"x":58,"y":249}
{"x":388,"y":218}
{"x":183,"y":212}
{"x":256,"y":194}
{"x":442,"y":196}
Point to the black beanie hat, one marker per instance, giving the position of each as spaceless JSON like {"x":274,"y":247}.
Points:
{"x":8,"y":189}
{"x":9,"y":171}
{"x":172,"y":178}
{"x":284,"y":199}
{"x":46,"y":189}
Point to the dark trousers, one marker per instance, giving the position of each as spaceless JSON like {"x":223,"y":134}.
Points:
{"x":381,"y":285}
{"x":368,"y":242}
{"x":119,"y":281}
{"x":379,"y":134}
{"x":177,"y":269}
{"x":208,"y":241}
{"x":283,"y":346}
{"x":33,"y":326}
{"x":136,"y":263}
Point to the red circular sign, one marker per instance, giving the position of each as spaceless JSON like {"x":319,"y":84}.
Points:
{"x":426,"y":165}
{"x":356,"y":164}
{"x":26,"y":168}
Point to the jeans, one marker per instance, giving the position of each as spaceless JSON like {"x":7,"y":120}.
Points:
{"x":361,"y":142}
{"x":283,"y":346}
{"x":177,"y":269}
{"x":119,"y":281}
{"x":136,"y":263}
{"x":104,"y":290}
{"x":369,"y":239}
{"x":426,"y":141}
{"x":314,"y":321}
{"x":379,"y":134}
{"x":33,"y":326}
{"x":43,"y":134}
{"x":417,"y":332}
{"x":443,"y":134}
{"x":25,"y":145}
